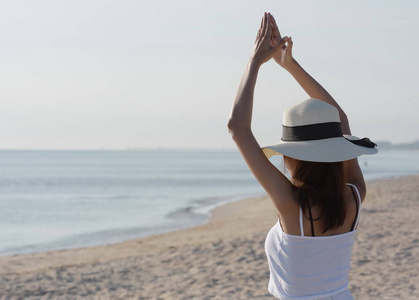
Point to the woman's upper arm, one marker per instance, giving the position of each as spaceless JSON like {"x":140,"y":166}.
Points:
{"x":277,"y":186}
{"x":354,"y":176}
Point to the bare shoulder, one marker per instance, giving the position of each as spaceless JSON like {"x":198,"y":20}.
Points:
{"x":354,"y":176}
{"x":359,"y":191}
{"x":289,"y":214}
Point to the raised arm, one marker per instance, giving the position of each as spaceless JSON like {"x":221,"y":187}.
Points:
{"x":285,"y":59}
{"x":315,"y":90}
{"x":278,"y":187}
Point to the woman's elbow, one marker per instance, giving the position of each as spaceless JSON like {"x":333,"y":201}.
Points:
{"x":231,"y":124}
{"x":236,"y":128}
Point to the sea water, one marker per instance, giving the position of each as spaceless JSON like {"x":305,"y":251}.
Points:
{"x":68,"y":199}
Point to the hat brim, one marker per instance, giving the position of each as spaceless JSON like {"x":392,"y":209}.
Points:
{"x":325,"y":150}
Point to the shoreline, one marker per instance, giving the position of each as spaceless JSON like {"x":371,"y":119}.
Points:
{"x":196,"y":216}
{"x":217,"y":217}
{"x":225,"y":256}
{"x":211,"y":215}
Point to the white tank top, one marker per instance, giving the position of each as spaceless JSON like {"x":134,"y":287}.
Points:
{"x":305,"y":267}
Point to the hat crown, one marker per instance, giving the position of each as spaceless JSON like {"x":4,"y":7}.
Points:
{"x":311,"y":111}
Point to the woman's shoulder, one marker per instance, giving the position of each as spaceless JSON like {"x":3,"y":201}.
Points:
{"x":355,"y":191}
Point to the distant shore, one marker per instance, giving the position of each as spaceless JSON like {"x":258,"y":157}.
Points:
{"x":385,"y":145}
{"x":225,"y":258}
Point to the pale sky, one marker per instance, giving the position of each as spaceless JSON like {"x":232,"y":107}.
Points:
{"x":121,"y":74}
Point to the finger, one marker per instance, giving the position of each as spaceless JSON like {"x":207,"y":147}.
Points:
{"x":283,"y":41}
{"x":273,"y":40}
{"x":268,"y":28}
{"x":265,"y":16}
{"x":274,"y":22}
{"x":275,"y":27}
{"x":289,"y":46}
{"x":279,"y":46}
{"x":276,"y":34}
{"x":286,"y":39}
{"x":273,"y":34}
{"x":260,"y":30}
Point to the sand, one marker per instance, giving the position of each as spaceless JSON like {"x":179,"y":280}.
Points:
{"x":225,"y":259}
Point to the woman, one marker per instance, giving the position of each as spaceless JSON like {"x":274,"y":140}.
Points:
{"x":309,"y":248}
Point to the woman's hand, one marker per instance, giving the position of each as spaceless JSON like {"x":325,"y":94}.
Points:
{"x":284,"y":56}
{"x":265,"y":48}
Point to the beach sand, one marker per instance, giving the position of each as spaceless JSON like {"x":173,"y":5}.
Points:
{"x":225,"y":258}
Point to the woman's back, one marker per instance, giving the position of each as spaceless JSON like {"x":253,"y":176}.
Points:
{"x":306,"y":267}
{"x":291,"y":225}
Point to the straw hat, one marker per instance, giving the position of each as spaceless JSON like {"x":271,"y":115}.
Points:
{"x":311,"y":131}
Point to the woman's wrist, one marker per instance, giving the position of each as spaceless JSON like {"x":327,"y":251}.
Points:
{"x":291,"y":66}
{"x":253,"y":65}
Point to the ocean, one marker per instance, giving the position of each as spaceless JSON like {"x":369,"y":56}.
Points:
{"x":52,"y":200}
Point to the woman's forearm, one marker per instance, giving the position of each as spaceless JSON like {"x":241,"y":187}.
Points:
{"x":241,"y":112}
{"x":264,"y":49}
{"x":315,"y":90}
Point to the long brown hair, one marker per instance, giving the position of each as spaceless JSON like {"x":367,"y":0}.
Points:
{"x":322,"y":184}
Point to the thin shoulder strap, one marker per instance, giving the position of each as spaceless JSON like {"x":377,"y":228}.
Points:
{"x":358,"y":205}
{"x":301,"y":219}
{"x":311,"y":218}
{"x":301,"y":222}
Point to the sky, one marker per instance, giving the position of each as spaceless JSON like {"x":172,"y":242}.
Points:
{"x":131,"y":74}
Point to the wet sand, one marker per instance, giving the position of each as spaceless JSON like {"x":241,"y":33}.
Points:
{"x":225,"y":258}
